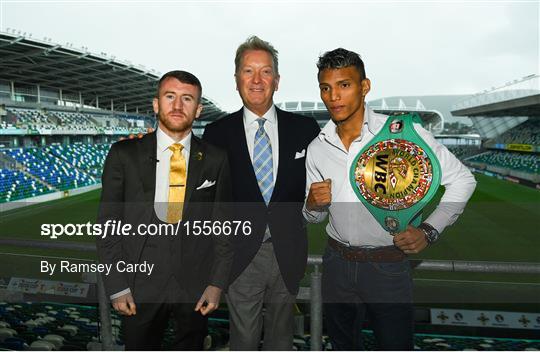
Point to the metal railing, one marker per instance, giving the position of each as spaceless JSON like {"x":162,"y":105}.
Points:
{"x":315,"y":282}
{"x":428,"y":265}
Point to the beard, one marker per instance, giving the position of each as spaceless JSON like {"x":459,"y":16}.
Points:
{"x":174,"y":126}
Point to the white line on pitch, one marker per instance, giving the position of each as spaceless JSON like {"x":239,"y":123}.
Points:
{"x":44,"y":257}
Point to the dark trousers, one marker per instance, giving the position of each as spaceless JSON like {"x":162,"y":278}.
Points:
{"x":160,"y":298}
{"x":145,"y":330}
{"x":382,"y":291}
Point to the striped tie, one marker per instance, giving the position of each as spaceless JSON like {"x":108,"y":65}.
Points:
{"x":177,"y":184}
{"x":262,"y":162}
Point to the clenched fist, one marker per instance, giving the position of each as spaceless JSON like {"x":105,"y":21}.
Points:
{"x":320,"y":195}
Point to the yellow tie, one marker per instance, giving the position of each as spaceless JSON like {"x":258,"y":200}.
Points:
{"x":177,"y":184}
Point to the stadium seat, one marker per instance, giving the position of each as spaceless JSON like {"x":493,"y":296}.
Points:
{"x":57,"y":340}
{"x":42,"y":345}
{"x":72,"y":329}
{"x":6,"y":333}
{"x":14,"y":343}
{"x":516,"y":161}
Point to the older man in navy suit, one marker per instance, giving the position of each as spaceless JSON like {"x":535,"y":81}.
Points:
{"x":266,"y":148}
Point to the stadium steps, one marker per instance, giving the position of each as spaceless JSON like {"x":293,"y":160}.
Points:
{"x":66,"y":161}
{"x":22,"y":168}
{"x":6,"y":161}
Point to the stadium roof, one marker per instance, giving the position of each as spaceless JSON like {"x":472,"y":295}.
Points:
{"x":520,"y":97}
{"x":99,"y":79}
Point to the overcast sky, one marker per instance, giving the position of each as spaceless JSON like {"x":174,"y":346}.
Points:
{"x":409,"y":48}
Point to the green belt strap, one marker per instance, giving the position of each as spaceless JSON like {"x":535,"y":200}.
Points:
{"x":396,"y":175}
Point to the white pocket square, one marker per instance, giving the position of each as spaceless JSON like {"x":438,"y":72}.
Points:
{"x":206,"y":184}
{"x":301,"y":154}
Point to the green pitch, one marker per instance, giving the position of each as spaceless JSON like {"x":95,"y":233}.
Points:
{"x":499,"y":224}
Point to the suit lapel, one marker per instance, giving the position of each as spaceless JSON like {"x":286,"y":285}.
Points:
{"x":285,"y":138}
{"x":196,"y":160}
{"x":147,"y":148}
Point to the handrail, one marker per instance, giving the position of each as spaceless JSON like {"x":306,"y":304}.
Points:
{"x":315,"y":286}
{"x":417,"y":264}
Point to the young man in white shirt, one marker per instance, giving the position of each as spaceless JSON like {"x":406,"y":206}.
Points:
{"x":365,"y":269}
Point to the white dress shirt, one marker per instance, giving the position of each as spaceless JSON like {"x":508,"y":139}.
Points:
{"x":270,"y":126}
{"x":350,"y":222}
{"x":163,"y":154}
{"x":161,"y":197}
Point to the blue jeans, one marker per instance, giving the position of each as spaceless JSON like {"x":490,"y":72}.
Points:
{"x":382,"y":291}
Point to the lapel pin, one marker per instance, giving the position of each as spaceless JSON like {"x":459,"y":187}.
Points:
{"x":199,"y":156}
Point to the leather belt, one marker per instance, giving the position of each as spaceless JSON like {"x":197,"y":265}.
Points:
{"x":388,"y":254}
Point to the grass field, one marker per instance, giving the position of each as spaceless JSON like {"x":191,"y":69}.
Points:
{"x":499,"y":224}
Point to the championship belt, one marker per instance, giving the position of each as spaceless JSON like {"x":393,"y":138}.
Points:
{"x":397,"y":175}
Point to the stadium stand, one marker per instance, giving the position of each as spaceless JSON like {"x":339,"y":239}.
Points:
{"x":75,"y":120}
{"x":71,"y":119}
{"x":46,"y":327}
{"x":526,"y":133}
{"x":514,"y":153}
{"x":52,"y":168}
{"x":49,"y":169}
{"x":52,"y":326}
{"x":15,"y":185}
{"x":30,"y":118}
{"x":87,"y":157}
{"x":529,"y":163}
{"x":463,"y":151}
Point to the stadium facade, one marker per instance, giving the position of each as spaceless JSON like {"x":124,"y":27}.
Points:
{"x":60,"y":109}
{"x":508,"y":118}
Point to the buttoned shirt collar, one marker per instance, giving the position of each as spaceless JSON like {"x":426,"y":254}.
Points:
{"x":164,"y":141}
{"x":250,"y":117}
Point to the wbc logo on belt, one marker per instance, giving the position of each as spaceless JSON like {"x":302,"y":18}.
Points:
{"x":393,"y":174}
{"x":396,"y":175}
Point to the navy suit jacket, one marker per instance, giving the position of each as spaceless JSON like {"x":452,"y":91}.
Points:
{"x":284,"y":212}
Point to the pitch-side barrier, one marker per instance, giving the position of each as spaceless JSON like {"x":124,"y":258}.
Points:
{"x":315,"y":296}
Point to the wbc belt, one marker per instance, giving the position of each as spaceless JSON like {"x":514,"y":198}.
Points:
{"x":396,"y":175}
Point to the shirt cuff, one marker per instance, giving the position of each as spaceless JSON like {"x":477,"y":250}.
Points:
{"x":121,"y":293}
{"x":313,"y":216}
{"x":440,"y":217}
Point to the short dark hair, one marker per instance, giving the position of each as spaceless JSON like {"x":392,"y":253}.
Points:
{"x":182,"y":76}
{"x":341,"y":58}
{"x":255,"y":43}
